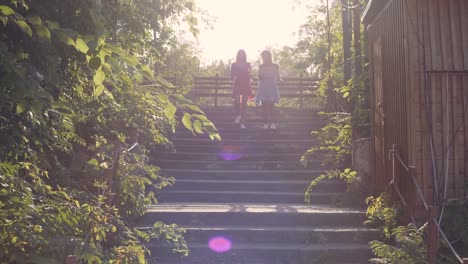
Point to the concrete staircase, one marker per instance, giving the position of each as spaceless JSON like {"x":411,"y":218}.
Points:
{"x":248,"y":192}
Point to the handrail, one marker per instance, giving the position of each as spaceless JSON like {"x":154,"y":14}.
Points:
{"x":215,"y":87}
{"x":432,"y":221}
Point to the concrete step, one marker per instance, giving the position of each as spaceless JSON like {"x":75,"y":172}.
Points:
{"x":246,"y":134}
{"x":304,"y":126}
{"x":252,"y":117}
{"x":244,"y":148}
{"x":256,"y":215}
{"x":243,"y":142}
{"x":218,"y":156}
{"x":272,"y":253}
{"x":236,"y":165}
{"x":305,"y":235}
{"x":256,"y":185}
{"x":241,"y":196}
{"x":257,"y":111}
{"x":275,"y":175}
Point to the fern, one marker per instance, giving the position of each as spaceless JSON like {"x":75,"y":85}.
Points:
{"x":407,"y":247}
{"x":349,"y":176}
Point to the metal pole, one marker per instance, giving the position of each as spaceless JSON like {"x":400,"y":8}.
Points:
{"x":432,"y":235}
{"x":216,"y":91}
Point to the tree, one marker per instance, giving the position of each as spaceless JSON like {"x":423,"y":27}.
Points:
{"x":78,"y":123}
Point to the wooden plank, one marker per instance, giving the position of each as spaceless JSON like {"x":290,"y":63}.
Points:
{"x":415,"y":53}
{"x":426,"y":39}
{"x":434,"y":32}
{"x":464,"y":30}
{"x":465,"y":116}
{"x":459,"y":140}
{"x":455,"y":24}
{"x":445,"y":35}
{"x":448,"y":130}
{"x":436,"y":122}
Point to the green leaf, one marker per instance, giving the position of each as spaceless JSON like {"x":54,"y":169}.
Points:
{"x":24,"y":27}
{"x":95,"y":63}
{"x":147,"y":70}
{"x":21,"y":107}
{"x":98,"y":90}
{"x":187,"y":121}
{"x":36,"y":107}
{"x":61,"y":106}
{"x":42,"y":32}
{"x":170,"y":110}
{"x":195,"y":109}
{"x":106,"y":68}
{"x":6,"y":10}
{"x":4,"y":20}
{"x":130,"y":60}
{"x":197,"y":125}
{"x":114,"y":63}
{"x":35,"y":20}
{"x":109,"y":94}
{"x":81,"y":46}
{"x":93,"y":162}
{"x":162,"y":98}
{"x":52,"y":25}
{"x":65,"y":39}
{"x":99,"y":77}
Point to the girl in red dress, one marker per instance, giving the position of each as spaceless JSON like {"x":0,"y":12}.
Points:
{"x":242,"y":89}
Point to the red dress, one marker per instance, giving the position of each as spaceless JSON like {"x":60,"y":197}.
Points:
{"x":240,"y":73}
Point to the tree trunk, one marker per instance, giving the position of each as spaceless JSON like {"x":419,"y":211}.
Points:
{"x":357,"y":38}
{"x":346,"y":41}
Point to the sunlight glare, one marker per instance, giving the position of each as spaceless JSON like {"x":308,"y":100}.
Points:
{"x":252,"y":25}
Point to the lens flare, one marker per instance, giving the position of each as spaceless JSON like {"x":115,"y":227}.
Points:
{"x":230,"y":152}
{"x":220,"y":244}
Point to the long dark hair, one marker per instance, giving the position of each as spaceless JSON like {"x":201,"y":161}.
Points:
{"x":267,"y":57}
{"x":241,"y":56}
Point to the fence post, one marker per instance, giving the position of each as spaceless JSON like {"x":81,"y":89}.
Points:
{"x":216,"y":90}
{"x":432,"y":235}
{"x":71,"y":259}
{"x":301,"y":92}
{"x":465,"y":261}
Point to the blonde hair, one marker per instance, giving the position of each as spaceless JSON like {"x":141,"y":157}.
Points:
{"x":267,"y":57}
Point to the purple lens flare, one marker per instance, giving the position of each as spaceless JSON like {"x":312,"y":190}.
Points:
{"x":230,"y":153}
{"x":220,"y":244}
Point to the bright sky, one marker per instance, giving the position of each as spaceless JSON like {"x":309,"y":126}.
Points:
{"x":251,"y":25}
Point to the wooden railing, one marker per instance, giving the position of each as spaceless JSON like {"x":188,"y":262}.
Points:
{"x":221,"y":87}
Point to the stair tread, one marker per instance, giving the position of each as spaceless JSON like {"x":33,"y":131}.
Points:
{"x":246,"y":192}
{"x":241,"y":171}
{"x":251,"y":208}
{"x":289,"y":246}
{"x":281,"y":228}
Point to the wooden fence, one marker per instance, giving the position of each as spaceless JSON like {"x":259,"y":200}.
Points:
{"x":221,"y":87}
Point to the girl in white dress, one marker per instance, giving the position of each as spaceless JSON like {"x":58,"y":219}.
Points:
{"x":267,"y":91}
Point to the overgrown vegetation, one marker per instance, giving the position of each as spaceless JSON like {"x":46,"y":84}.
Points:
{"x":334,"y":151}
{"x":80,"y":113}
{"x":400,"y":244}
{"x":455,"y":225}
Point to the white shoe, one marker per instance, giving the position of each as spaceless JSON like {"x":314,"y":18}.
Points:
{"x":273,"y":126}
{"x":242,"y":126}
{"x":265,"y":126}
{"x":237,"y":119}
